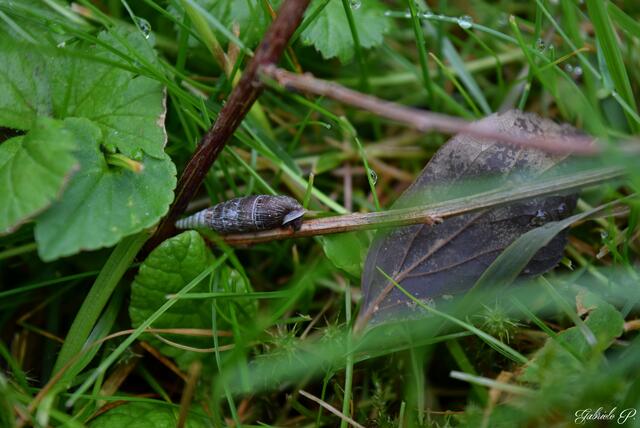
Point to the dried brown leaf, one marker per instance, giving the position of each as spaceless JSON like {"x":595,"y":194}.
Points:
{"x":445,"y":259}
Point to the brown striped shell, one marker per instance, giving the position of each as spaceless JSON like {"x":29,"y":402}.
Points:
{"x":247,"y":214}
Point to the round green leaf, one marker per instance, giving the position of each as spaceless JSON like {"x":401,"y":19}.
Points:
{"x":102,"y":203}
{"x":346,"y":251}
{"x":171,"y":266}
{"x":145,"y":415}
{"x":167,"y":270}
{"x":129,"y":108}
{"x":34,"y":168}
{"x":330,"y":33}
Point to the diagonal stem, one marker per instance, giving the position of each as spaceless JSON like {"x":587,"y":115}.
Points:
{"x":236,"y":108}
{"x":424,"y":120}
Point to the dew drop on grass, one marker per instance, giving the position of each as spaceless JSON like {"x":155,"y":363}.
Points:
{"x":56,"y":28}
{"x":541,"y":45}
{"x":552,"y":51}
{"x":355,"y":4}
{"x":144,"y":26}
{"x":465,"y":22}
{"x":577,"y":72}
{"x":374,"y":176}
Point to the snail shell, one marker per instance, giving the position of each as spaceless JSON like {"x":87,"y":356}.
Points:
{"x":247,"y":214}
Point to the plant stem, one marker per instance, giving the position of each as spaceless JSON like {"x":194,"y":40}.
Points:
{"x":230,"y":117}
{"x":424,"y":120}
{"x":429,"y":214}
{"x":16,"y":251}
{"x":422,"y":51}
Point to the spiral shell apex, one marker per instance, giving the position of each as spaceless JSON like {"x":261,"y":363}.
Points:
{"x":247,"y":214}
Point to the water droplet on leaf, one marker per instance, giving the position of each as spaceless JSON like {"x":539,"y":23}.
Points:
{"x":541,"y":45}
{"x":56,"y":27}
{"x":137,"y":154}
{"x":465,"y":22}
{"x":552,"y":51}
{"x":355,"y":4}
{"x":144,"y":27}
{"x":562,"y":208}
{"x":540,"y":218}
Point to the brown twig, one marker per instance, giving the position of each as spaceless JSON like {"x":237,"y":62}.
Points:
{"x":330,"y":408}
{"x":430,"y":213}
{"x":233,"y":112}
{"x":424,"y":120}
{"x":187,"y":395}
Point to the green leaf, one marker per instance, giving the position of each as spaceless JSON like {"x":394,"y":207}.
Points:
{"x":145,"y":415}
{"x":510,"y":263}
{"x":43,"y":82}
{"x":229,"y":311}
{"x":346,"y":251}
{"x":557,"y":358}
{"x":7,"y":403}
{"x":34,"y":168}
{"x":170,"y":267}
{"x":129,"y":108}
{"x":104,"y":104}
{"x":102,"y":204}
{"x":330,"y":33}
{"x":175,"y":263}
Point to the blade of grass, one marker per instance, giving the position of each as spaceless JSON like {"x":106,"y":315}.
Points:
{"x":570,"y":312}
{"x":458,"y":86}
{"x":113,"y":356}
{"x":610,"y":48}
{"x":348,"y":376}
{"x":510,"y":263}
{"x":490,"y":383}
{"x":213,"y":286}
{"x":465,"y":365}
{"x":422,"y":51}
{"x":108,"y":278}
{"x":362,"y":63}
{"x":505,"y":350}
{"x":625,"y":22}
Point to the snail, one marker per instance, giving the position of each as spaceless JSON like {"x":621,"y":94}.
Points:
{"x":247,"y":214}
